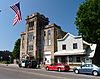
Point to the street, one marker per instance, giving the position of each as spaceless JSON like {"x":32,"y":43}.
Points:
{"x":7,"y":72}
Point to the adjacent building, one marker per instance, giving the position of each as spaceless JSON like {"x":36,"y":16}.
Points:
{"x":74,"y":50}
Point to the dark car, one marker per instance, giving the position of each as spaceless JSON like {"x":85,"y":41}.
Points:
{"x":28,"y":64}
{"x":87,"y":69}
{"x":58,"y":67}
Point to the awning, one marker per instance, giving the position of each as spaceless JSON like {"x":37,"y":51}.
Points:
{"x":64,"y":53}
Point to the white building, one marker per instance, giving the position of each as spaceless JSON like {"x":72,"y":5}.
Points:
{"x":74,"y":50}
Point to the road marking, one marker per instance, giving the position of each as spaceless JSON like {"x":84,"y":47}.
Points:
{"x":46,"y":75}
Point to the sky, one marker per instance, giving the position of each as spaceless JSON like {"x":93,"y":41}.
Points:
{"x":60,"y":12}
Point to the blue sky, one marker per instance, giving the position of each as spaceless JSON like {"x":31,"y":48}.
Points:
{"x":61,"y":12}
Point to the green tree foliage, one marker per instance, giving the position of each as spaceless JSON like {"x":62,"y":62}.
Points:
{"x":16,"y":50}
{"x":88,"y":24}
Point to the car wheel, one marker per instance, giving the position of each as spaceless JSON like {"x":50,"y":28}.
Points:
{"x":59,"y":69}
{"x":76,"y":71}
{"x":47,"y":68}
{"x":95,"y":73}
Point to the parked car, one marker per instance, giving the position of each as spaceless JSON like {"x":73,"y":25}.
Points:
{"x":28,"y":63}
{"x":58,"y":67}
{"x":87,"y":69}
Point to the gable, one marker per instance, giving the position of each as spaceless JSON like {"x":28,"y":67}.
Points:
{"x":68,"y":36}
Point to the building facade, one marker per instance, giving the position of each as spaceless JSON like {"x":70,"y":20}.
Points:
{"x":74,"y":50}
{"x":39,"y":41}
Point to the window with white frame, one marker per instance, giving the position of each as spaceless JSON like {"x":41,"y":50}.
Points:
{"x":75,"y":46}
{"x":64,"y":47}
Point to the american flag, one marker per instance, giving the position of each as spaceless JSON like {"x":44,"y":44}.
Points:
{"x":16,"y":8}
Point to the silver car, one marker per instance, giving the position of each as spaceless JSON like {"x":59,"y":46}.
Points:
{"x":87,"y":69}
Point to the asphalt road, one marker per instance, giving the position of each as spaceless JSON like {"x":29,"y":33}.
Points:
{"x":7,"y":72}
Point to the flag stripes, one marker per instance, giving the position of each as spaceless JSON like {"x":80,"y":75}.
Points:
{"x":16,"y":8}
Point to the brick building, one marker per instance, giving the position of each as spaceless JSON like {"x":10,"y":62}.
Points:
{"x":39,"y":41}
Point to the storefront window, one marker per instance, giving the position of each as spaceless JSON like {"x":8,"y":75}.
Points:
{"x":70,"y":59}
{"x":78,"y":59}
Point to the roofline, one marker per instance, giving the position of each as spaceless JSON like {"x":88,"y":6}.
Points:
{"x":86,"y":43}
{"x":67,"y":35}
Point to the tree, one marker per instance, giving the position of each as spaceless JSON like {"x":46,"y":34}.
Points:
{"x":16,"y":50}
{"x":88,"y":24}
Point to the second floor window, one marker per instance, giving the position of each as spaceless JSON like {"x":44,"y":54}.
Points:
{"x":23,"y":37}
{"x":49,"y":37}
{"x":64,"y":47}
{"x":23,"y":45}
{"x":44,"y":33}
{"x":30,"y":47}
{"x":30,"y":36}
{"x":49,"y":32}
{"x":74,"y":45}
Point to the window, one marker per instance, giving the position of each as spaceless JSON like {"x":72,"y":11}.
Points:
{"x":31,"y":24}
{"x":49,"y":43}
{"x":74,"y":45}
{"x":23,"y":37}
{"x":30,"y":47}
{"x":30,"y":36}
{"x":23,"y":45}
{"x":78,"y":59}
{"x":44,"y":41}
{"x":63,"y":47}
{"x":70,"y":59}
{"x":44,"y":33}
{"x":49,"y":32}
{"x":49,"y":37}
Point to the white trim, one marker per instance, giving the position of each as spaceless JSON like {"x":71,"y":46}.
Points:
{"x":61,"y":53}
{"x":86,"y":43}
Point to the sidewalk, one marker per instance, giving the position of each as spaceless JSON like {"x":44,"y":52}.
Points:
{"x":9,"y":65}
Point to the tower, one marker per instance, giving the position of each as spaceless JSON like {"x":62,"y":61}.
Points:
{"x":35,"y":24}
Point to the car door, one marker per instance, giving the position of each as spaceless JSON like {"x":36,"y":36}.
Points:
{"x":55,"y":67}
{"x":51,"y":67}
{"x":87,"y":68}
{"x":83,"y":69}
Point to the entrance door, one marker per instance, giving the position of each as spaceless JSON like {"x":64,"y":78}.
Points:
{"x":47,"y":57}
